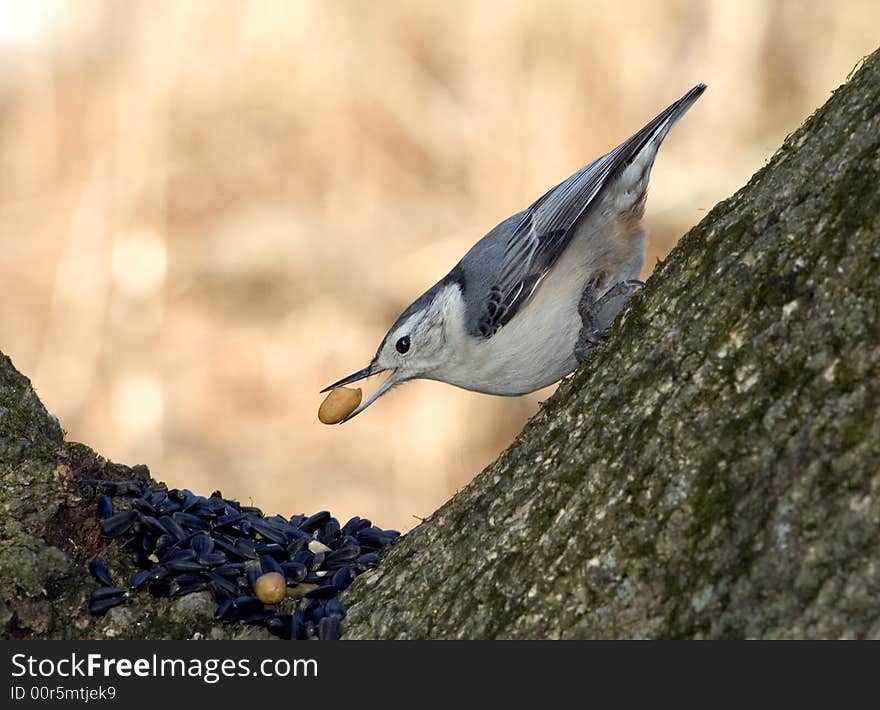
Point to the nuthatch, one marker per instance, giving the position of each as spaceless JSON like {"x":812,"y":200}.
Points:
{"x":530,"y":300}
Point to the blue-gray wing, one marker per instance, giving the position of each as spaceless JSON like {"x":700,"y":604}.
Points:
{"x":546,"y":227}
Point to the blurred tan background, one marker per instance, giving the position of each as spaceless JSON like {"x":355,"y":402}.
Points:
{"x":210,"y":210}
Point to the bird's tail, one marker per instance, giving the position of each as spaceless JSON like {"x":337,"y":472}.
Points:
{"x":630,"y":162}
{"x":656,"y":130}
{"x":628,"y":167}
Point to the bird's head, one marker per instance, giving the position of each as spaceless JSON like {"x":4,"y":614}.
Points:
{"x":415,"y":346}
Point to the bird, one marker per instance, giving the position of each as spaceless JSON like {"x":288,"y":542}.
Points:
{"x":529,"y":302}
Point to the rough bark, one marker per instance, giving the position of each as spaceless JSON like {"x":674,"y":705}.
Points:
{"x":714,"y":471}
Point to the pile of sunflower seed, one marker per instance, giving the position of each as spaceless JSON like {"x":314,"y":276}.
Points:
{"x":182,"y":543}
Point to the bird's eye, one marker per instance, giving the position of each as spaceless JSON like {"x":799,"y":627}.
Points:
{"x":402,"y":345}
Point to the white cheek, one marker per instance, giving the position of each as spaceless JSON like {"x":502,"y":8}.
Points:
{"x":392,"y":359}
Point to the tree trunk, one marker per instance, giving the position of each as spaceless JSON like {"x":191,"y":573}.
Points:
{"x":714,"y":471}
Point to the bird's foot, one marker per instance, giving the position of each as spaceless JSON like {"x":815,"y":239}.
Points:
{"x":597,"y":314}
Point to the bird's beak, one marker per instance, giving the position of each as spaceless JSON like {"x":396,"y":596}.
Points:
{"x":389,"y":382}
{"x":353,"y":377}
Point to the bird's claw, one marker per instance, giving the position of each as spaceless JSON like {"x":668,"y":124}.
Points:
{"x":597,"y":314}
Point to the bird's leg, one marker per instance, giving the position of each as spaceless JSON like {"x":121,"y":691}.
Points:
{"x":597,"y":314}
{"x":589,"y":336}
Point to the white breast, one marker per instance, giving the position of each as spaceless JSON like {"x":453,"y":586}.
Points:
{"x":536,"y":348}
